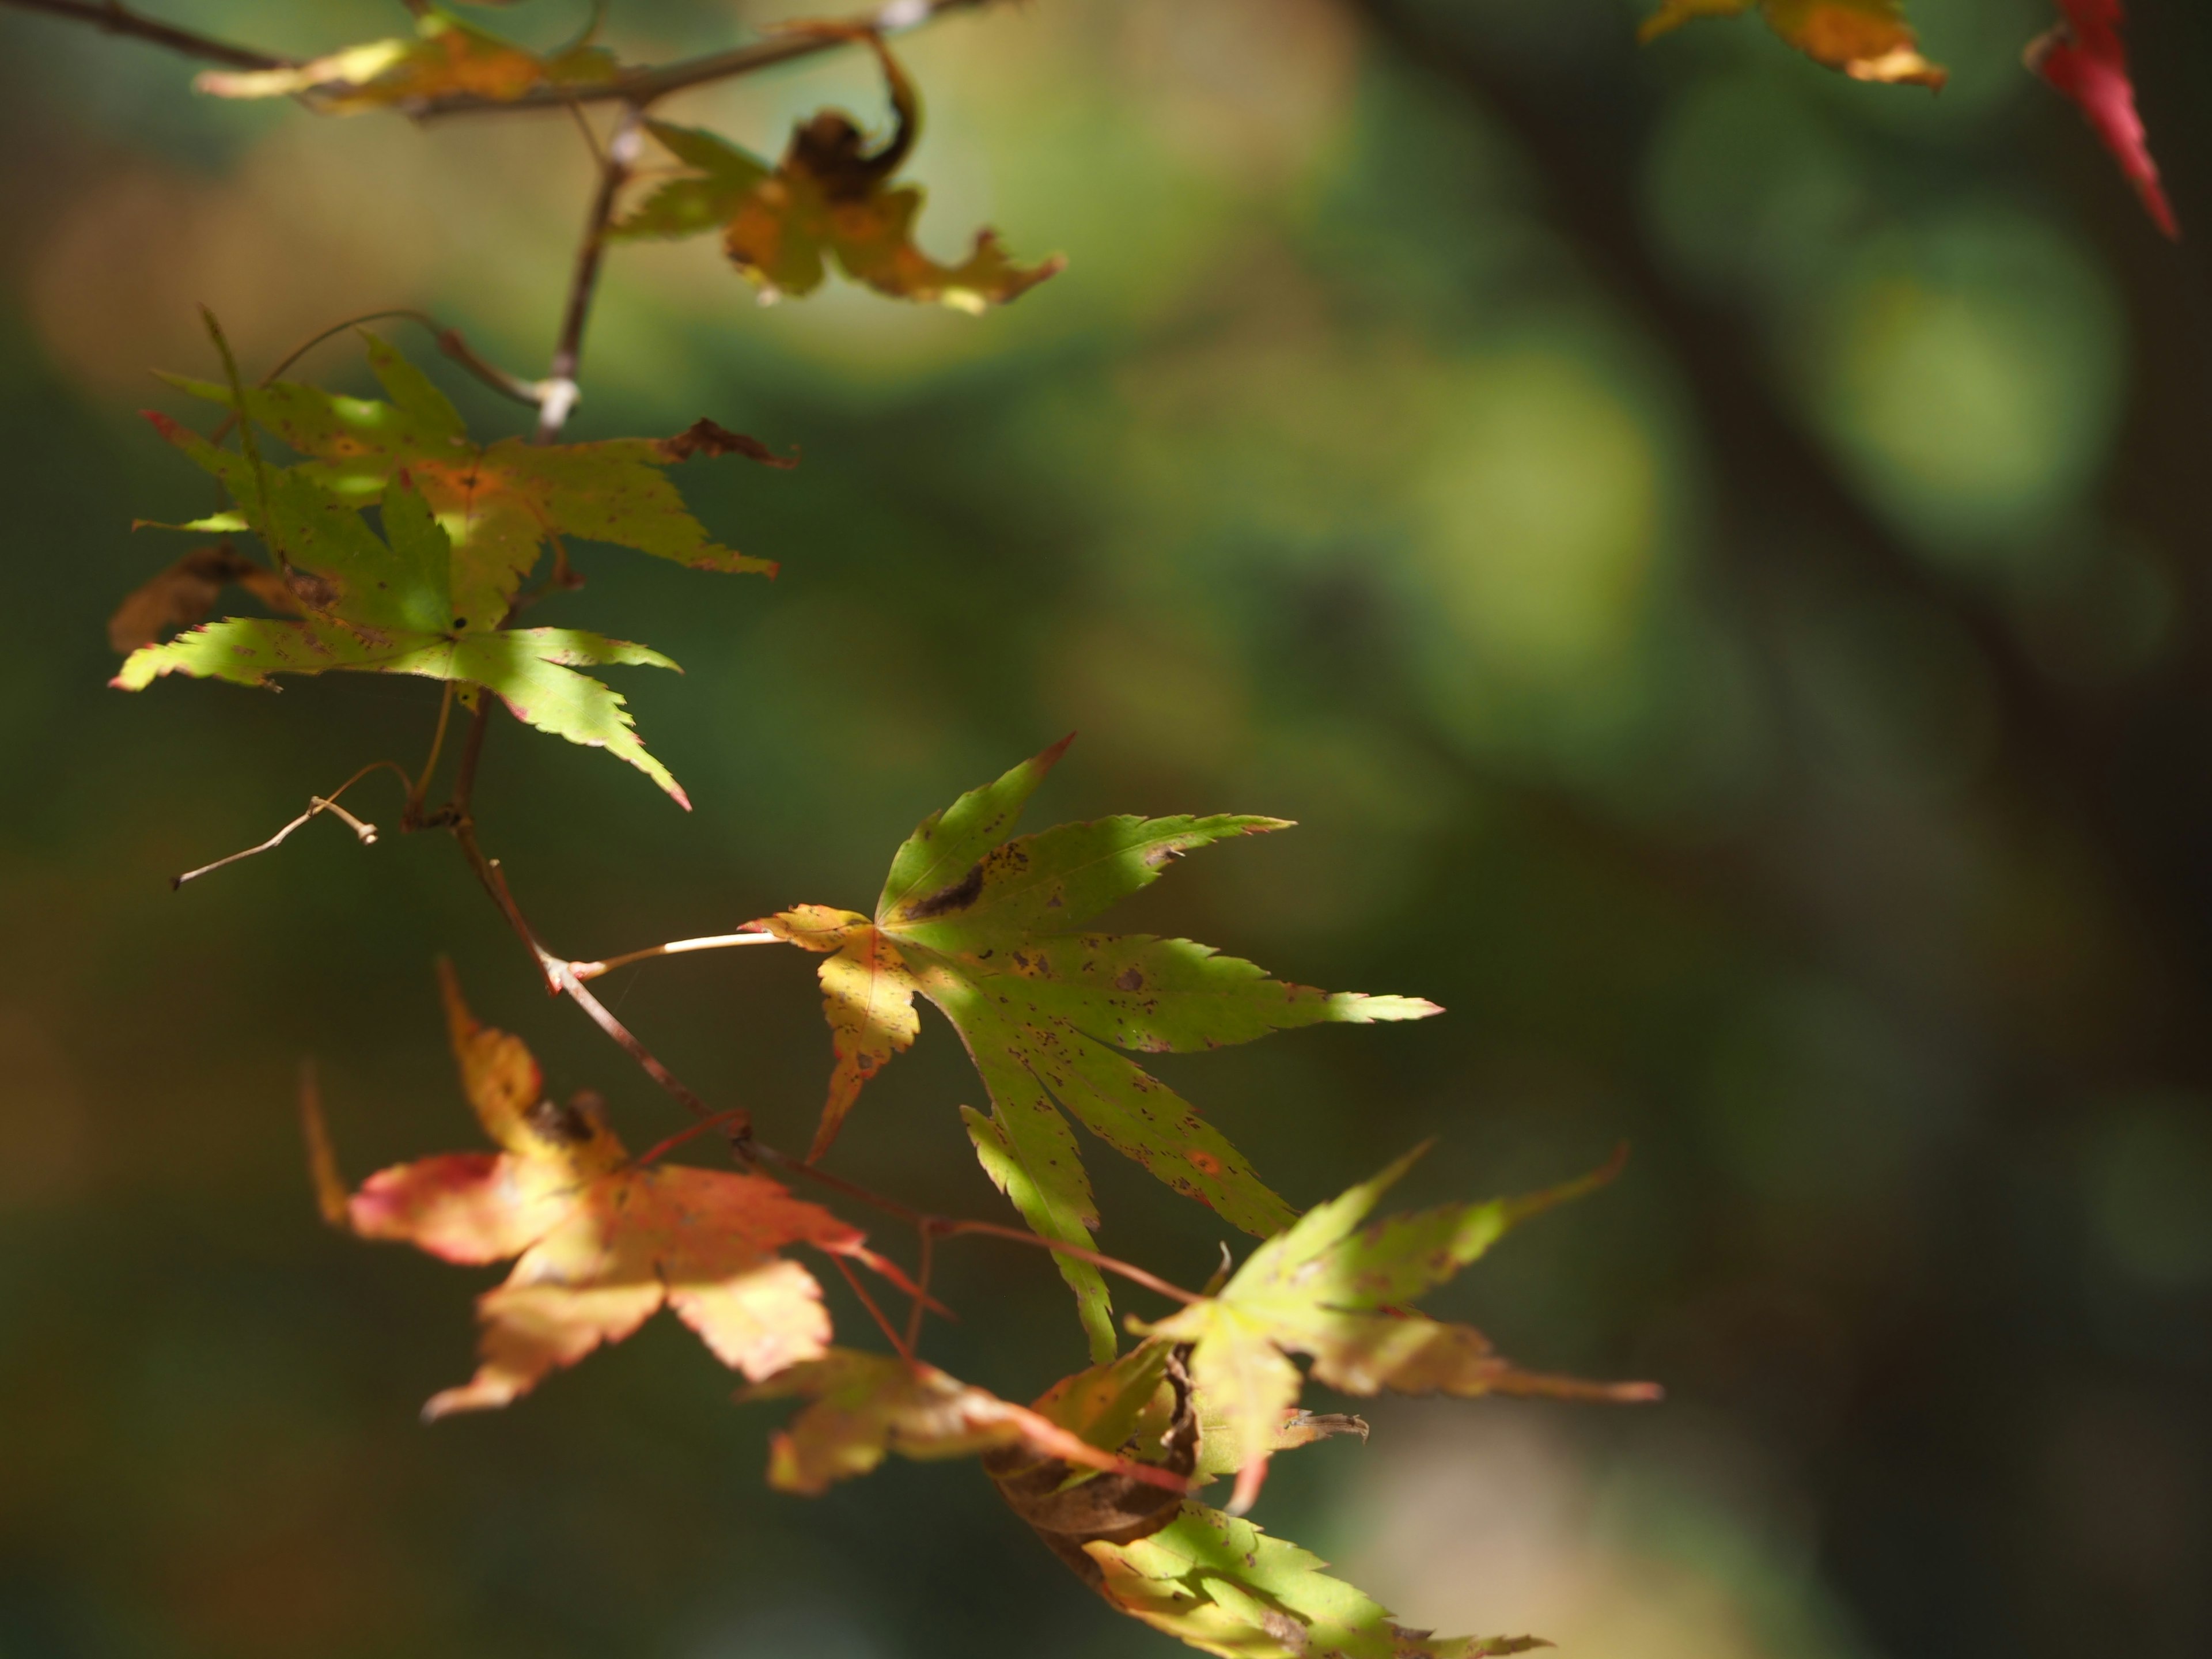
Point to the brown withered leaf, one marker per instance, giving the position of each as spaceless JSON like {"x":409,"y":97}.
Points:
{"x":1866,"y":39}
{"x":830,"y":198}
{"x":705,"y":437}
{"x":186,"y":592}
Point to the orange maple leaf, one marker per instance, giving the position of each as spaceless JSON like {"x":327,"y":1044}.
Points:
{"x":604,"y":1242}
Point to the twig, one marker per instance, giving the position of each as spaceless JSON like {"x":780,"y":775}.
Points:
{"x":560,"y":384}
{"x":316,"y":805}
{"x":112,"y":17}
{"x":674,"y":947}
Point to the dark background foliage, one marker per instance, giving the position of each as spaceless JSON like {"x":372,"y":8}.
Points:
{"x":1711,"y":553}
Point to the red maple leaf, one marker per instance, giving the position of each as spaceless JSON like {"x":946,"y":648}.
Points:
{"x":2084,"y":59}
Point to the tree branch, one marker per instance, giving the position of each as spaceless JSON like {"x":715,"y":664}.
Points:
{"x":113,"y":17}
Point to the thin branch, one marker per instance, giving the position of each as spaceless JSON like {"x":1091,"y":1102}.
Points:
{"x":316,"y":805}
{"x":642,"y":87}
{"x":674,"y":947}
{"x":560,"y":384}
{"x":112,"y":17}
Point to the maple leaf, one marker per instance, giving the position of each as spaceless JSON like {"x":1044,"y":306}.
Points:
{"x":2084,"y":59}
{"x":380,"y":607}
{"x":498,"y":503}
{"x":447,"y":55}
{"x":1323,"y":1289}
{"x":1143,"y":1406}
{"x":1867,"y":39}
{"x":982,"y":929}
{"x":603,"y":1244}
{"x":865,"y":1406}
{"x":829,"y":197}
{"x":1223,"y":1586}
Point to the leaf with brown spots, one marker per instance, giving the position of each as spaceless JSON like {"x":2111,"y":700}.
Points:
{"x":1866,"y":39}
{"x":829,"y":198}
{"x":1335,"y":1291}
{"x":604,"y":1243}
{"x":448,"y":55}
{"x":498,"y":503}
{"x":983,"y":926}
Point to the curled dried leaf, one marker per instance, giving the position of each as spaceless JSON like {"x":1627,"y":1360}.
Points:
{"x":186,"y":592}
{"x":1866,"y":39}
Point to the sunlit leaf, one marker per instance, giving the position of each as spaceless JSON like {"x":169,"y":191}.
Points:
{"x":1338,"y":1295}
{"x":830,"y":198}
{"x":1225,"y":1587}
{"x":499,"y":503}
{"x":983,"y":928}
{"x":1867,"y":39}
{"x":603,"y":1244}
{"x":447,"y":55}
{"x":865,"y":1405}
{"x":2085,"y":59}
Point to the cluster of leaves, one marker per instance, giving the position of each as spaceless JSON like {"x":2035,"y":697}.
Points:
{"x":829,"y":198}
{"x":462,"y":525}
{"x":1102,"y":1466}
{"x":395,"y":542}
{"x":2082,"y":56}
{"x":985,"y":929}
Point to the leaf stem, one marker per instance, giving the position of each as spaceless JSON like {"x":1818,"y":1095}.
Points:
{"x":905,"y":1351}
{"x":674,"y":947}
{"x":413,"y":815}
{"x":948,"y":1227}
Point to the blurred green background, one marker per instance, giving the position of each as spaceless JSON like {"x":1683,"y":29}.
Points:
{"x":1711,"y":553}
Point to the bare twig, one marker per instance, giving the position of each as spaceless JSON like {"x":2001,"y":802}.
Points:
{"x":560,"y":392}
{"x":316,"y":805}
{"x":921,"y":1308}
{"x":112,"y":17}
{"x":674,"y":947}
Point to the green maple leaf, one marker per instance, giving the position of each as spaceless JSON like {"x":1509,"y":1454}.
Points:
{"x":1866,"y":39}
{"x":385,"y":607}
{"x":1225,"y":1587}
{"x":498,"y":503}
{"x":983,"y":928}
{"x":830,"y":198}
{"x":1335,"y":1291}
